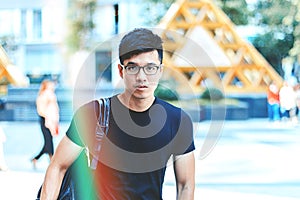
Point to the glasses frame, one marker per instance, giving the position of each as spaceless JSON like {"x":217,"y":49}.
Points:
{"x":143,"y":67}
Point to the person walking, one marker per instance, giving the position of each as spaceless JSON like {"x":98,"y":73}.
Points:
{"x":288,"y":106}
{"x":273,"y":102}
{"x":144,"y":133}
{"x":48,"y":111}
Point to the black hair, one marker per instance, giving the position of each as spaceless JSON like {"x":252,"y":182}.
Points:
{"x":138,"y":41}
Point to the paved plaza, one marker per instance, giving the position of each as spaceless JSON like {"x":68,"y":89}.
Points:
{"x":248,"y":159}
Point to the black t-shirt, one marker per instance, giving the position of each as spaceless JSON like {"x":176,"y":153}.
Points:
{"x":137,"y":148}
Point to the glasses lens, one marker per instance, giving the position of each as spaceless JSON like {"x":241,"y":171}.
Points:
{"x":150,"y":69}
{"x":132,"y":69}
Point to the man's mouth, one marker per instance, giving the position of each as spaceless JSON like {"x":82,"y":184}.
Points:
{"x":141,"y":86}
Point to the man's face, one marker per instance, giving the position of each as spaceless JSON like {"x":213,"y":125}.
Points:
{"x":141,"y":85}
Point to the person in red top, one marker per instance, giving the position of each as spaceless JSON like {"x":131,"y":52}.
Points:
{"x":48,"y":111}
{"x":273,"y":102}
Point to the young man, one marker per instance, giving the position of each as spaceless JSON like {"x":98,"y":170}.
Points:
{"x":144,"y":132}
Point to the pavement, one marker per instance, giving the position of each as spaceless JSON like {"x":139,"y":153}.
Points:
{"x":247,"y":159}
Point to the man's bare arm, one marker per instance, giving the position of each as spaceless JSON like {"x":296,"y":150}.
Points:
{"x":184,"y":169}
{"x":64,"y":156}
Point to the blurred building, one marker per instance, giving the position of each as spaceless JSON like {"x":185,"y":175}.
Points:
{"x":35,"y":30}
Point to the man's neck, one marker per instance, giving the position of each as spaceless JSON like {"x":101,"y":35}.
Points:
{"x":136,"y":104}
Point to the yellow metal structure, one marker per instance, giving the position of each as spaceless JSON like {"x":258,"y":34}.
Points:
{"x":10,"y":72}
{"x":203,"y":47}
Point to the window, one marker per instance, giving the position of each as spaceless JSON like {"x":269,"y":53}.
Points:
{"x":37,"y":24}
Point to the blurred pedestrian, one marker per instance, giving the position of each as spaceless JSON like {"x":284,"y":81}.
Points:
{"x":48,"y":111}
{"x":297,"y":89}
{"x":3,"y":166}
{"x":273,"y":102}
{"x":287,"y":98}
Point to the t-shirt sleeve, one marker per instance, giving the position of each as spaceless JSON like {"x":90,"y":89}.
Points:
{"x":184,"y":137}
{"x":82,"y":128}
{"x":72,"y":132}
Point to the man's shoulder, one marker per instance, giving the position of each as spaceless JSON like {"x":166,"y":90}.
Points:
{"x":89,"y":106}
{"x":166,"y":104}
{"x":173,"y":110}
{"x":89,"y":110}
{"x":169,"y":108}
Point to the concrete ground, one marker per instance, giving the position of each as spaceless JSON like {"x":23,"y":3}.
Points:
{"x":249,"y":159}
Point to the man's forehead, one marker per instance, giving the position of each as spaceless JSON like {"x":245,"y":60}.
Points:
{"x":144,"y":58}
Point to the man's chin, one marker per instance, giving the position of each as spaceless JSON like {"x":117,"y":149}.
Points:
{"x":141,"y":95}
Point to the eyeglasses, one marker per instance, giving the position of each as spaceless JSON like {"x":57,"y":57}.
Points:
{"x":150,"y":69}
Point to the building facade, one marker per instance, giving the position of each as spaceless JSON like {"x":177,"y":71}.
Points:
{"x":34,"y":33}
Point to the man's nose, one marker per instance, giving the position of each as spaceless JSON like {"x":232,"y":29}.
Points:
{"x":141,"y":74}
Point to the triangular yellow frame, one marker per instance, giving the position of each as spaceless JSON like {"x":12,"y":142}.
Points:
{"x":247,"y":65}
{"x":9,"y":71}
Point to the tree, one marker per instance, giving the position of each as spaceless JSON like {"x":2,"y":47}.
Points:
{"x":80,"y":24}
{"x":155,"y":10}
{"x":274,"y":48}
{"x":277,"y":38}
{"x":292,"y":20}
{"x":9,"y":43}
{"x":236,"y":10}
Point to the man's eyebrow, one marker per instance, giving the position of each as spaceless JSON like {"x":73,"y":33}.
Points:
{"x":133,"y":63}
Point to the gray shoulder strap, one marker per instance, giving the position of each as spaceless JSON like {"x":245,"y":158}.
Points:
{"x":101,"y":129}
{"x":104,"y":108}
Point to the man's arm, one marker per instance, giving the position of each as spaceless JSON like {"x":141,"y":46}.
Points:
{"x":184,"y":169}
{"x":64,"y":156}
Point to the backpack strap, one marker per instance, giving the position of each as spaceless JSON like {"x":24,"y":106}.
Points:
{"x":101,"y":129}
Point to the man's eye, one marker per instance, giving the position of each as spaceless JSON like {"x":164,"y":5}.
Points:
{"x":150,"y":68}
{"x":131,"y":68}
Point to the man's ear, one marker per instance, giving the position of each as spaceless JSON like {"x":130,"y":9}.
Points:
{"x":120,"y":68}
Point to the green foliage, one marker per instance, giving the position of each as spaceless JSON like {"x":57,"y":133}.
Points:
{"x":212,"y":94}
{"x":236,"y":10}
{"x":8,"y":42}
{"x":274,"y":48}
{"x":292,"y":20}
{"x":163,"y":91}
{"x":80,"y":24}
{"x":154,"y":10}
{"x":277,"y":38}
{"x":271,"y":13}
